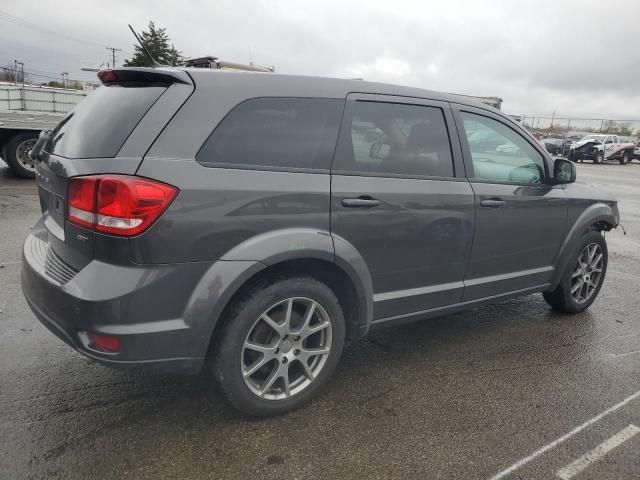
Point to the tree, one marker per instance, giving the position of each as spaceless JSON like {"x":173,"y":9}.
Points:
{"x":8,"y":74}
{"x":71,"y":85}
{"x":157,"y":42}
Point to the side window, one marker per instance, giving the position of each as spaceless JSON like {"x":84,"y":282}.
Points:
{"x":500,"y":153}
{"x":392,"y":138}
{"x":275,"y":132}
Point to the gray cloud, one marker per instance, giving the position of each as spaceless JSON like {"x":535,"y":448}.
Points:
{"x":579,"y":58}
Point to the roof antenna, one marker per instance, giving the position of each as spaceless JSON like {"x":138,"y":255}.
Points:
{"x":154,"y":64}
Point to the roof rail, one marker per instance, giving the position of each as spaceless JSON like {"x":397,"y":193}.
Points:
{"x":215,"y":63}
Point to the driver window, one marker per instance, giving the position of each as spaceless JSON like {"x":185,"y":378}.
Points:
{"x":396,"y":139}
{"x":499,"y":153}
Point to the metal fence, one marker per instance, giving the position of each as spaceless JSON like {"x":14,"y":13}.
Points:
{"x":566,"y":127}
{"x":38,"y":99}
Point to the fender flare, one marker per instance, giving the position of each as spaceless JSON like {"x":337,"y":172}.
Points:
{"x":227,"y":275}
{"x":598,"y":212}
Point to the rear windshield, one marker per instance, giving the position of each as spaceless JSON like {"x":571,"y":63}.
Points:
{"x":100,"y":124}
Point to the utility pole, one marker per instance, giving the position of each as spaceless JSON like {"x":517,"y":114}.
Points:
{"x":64,"y":79}
{"x":15,"y":72}
{"x":113,"y":55}
{"x":22,"y":71}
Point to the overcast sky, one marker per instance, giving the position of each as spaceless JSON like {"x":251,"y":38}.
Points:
{"x":577,"y":58}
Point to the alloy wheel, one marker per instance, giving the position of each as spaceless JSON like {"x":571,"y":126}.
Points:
{"x":286,"y":348}
{"x":587,"y":274}
{"x":22,"y":155}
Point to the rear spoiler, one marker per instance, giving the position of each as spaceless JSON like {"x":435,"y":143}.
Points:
{"x":143,"y":75}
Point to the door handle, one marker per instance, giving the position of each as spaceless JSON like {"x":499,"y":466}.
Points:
{"x":360,"y":202}
{"x":493,"y":203}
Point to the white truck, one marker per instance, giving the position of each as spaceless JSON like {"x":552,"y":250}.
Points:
{"x":24,"y":112}
{"x":600,"y":148}
{"x":636,"y":151}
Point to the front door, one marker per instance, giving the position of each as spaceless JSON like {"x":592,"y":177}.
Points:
{"x":520,"y":217}
{"x":399,"y":196}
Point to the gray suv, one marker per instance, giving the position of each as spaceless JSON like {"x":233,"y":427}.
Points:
{"x":253,"y":223}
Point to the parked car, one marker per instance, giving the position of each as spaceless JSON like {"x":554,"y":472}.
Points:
{"x":247,"y":223}
{"x":600,"y":148}
{"x":557,"y":146}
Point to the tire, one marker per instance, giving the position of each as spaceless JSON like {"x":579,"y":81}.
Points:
{"x":563,"y":298}
{"x":626,"y":158}
{"x":599,"y":158}
{"x":16,"y":151}
{"x":279,"y":351}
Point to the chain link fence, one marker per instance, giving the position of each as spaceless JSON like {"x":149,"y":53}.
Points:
{"x":574,"y":128}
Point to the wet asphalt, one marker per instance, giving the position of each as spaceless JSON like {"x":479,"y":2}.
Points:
{"x":464,"y":396}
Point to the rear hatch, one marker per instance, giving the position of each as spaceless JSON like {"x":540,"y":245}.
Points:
{"x":107,"y":133}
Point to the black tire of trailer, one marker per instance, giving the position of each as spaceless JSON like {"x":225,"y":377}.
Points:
{"x":10,"y":153}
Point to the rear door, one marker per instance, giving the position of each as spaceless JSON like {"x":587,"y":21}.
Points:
{"x":520,"y":219}
{"x":611,"y":145}
{"x":399,"y":196}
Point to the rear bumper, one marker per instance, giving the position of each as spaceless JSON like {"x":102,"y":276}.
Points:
{"x":144,"y":306}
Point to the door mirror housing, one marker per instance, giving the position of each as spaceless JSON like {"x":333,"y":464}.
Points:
{"x":564,"y":171}
{"x":379,"y":150}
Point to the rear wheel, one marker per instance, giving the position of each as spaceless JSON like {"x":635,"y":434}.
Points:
{"x":626,"y":158}
{"x":17,"y":154}
{"x":281,"y":343}
{"x":583,"y":278}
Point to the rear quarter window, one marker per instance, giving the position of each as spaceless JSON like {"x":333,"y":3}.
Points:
{"x":275,"y":133}
{"x":100,"y":124}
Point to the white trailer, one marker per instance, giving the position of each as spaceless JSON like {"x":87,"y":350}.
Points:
{"x":24,"y":112}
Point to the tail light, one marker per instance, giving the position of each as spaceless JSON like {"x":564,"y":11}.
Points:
{"x":102,"y":343}
{"x":117,"y":204}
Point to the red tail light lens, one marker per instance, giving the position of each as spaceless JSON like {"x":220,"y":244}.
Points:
{"x":108,"y":76}
{"x":82,"y":198}
{"x":117,"y":204}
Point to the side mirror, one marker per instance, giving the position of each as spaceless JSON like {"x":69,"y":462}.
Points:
{"x":379,"y":150}
{"x":564,"y":171}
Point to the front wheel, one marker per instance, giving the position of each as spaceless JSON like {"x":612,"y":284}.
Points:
{"x":280,"y":345}
{"x":583,"y":278}
{"x":599,"y":158}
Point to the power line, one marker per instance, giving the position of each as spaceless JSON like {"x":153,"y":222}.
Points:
{"x":7,"y":17}
{"x":58,"y":77}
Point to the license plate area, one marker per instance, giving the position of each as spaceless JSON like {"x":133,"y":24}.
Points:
{"x":53,"y":210}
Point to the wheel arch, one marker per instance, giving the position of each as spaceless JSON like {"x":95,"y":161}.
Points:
{"x":270,"y":255}
{"x":600,"y":217}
